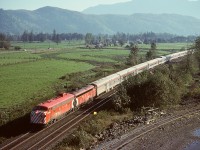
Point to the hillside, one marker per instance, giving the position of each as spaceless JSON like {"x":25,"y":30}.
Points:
{"x":48,"y":18}
{"x":182,"y":7}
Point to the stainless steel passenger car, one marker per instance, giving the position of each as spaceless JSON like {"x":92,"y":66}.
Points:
{"x":176,"y":55}
{"x":107,"y":83}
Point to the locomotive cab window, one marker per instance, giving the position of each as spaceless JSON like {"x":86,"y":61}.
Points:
{"x":40,"y":108}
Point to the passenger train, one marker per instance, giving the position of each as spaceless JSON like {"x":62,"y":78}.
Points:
{"x":52,"y":109}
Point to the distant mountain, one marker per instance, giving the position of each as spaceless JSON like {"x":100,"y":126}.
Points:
{"x":182,"y":7}
{"x":45,"y":20}
{"x":64,"y":21}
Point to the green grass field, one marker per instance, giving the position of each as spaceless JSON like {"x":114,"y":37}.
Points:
{"x":167,"y":46}
{"x":104,"y":55}
{"x":31,"y":75}
{"x":17,"y":57}
{"x":47,"y":44}
{"x":26,"y":74}
{"x":20,"y":82}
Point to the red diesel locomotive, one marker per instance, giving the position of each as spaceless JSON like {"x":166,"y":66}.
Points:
{"x":53,"y":109}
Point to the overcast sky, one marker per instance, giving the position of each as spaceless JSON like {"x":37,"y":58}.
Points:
{"x":77,"y":5}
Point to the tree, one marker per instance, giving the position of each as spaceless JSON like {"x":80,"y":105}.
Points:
{"x":121,"y":100}
{"x":133,"y":56}
{"x":189,"y":64}
{"x":156,"y":90}
{"x":57,"y":40}
{"x":197,"y":49}
{"x":4,"y":42}
{"x":41,"y":37}
{"x":197,"y":44}
{"x":121,"y":42}
{"x":151,"y":54}
{"x":153,"y":46}
{"x":54,"y":36}
{"x":30,"y":37}
{"x":88,"y":38}
{"x":24,"y":36}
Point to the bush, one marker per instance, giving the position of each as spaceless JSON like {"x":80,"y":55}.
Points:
{"x":80,"y":139}
{"x":17,"y":48}
{"x":194,"y":91}
{"x":121,"y":100}
{"x":158,"y":91}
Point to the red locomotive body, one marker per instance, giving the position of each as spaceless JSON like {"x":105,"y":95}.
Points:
{"x":52,"y":109}
{"x":84,"y":94}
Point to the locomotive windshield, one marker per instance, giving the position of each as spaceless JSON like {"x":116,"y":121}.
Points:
{"x":40,"y":108}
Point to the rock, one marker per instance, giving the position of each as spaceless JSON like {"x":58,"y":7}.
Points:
{"x":162,"y":113}
{"x":100,"y":135}
{"x":113,"y":125}
{"x":147,"y":122}
{"x":162,"y":128}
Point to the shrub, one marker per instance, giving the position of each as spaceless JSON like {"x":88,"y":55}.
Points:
{"x":80,"y":139}
{"x":158,"y":91}
{"x":121,"y":100}
{"x":17,"y":48}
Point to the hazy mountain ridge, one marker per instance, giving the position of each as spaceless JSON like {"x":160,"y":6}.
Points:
{"x":48,"y":18}
{"x":182,"y":7}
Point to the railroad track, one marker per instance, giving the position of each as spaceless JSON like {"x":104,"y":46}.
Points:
{"x":118,"y":144}
{"x":55,"y":132}
{"x":30,"y":135}
{"x":16,"y":141}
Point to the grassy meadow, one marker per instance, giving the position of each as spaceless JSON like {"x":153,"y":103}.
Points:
{"x":167,"y":46}
{"x":21,"y":81}
{"x":32,"y":74}
{"x":36,"y":72}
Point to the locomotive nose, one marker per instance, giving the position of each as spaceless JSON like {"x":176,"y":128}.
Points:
{"x":38,"y":117}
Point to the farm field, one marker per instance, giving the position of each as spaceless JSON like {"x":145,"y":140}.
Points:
{"x":47,"y":44}
{"x":31,"y":75}
{"x":167,"y":46}
{"x":17,"y":57}
{"x":75,"y":44}
{"x":104,"y":55}
{"x":21,"y":81}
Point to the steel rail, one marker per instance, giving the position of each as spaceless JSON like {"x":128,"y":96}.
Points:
{"x":14,"y":141}
{"x":153,"y":128}
{"x":45,"y":129}
{"x":84,"y":114}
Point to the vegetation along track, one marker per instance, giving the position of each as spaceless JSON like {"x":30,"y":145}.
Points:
{"x":55,"y":132}
{"x":124,"y":140}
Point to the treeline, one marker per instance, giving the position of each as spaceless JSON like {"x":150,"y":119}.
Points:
{"x":99,"y":40}
{"x":162,"y":87}
{"x":55,"y":37}
{"x":143,"y":38}
{"x":146,"y":38}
